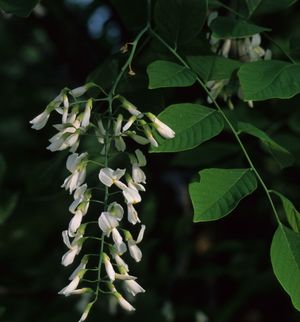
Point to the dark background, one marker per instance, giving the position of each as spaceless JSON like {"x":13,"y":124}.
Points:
{"x":218,"y":269}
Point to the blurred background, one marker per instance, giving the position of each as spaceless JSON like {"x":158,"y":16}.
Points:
{"x":205,"y":272}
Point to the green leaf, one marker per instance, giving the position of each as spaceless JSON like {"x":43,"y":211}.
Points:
{"x":192,"y":123}
{"x":167,"y":74}
{"x":179,"y":21}
{"x":7,"y":207}
{"x":267,"y":6}
{"x":227,"y":27}
{"x":283,"y":157}
{"x":219,"y":191}
{"x":285,"y":258}
{"x":264,"y":80}
{"x":20,"y":8}
{"x":292,"y":215}
{"x":213,"y":67}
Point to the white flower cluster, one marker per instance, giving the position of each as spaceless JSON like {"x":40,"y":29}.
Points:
{"x":247,"y":49}
{"x":77,"y":119}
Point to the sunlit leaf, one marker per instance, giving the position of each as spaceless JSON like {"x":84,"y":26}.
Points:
{"x":264,"y":80}
{"x":213,"y":67}
{"x":285,"y":258}
{"x":167,"y":74}
{"x":219,"y":191}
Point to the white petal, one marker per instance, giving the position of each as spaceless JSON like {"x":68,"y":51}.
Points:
{"x":78,"y":91}
{"x":125,"y":304}
{"x":133,"y":287}
{"x":66,"y":239}
{"x":141,"y":158}
{"x":70,"y":287}
{"x":117,"y":238}
{"x":107,"y":222}
{"x":138,"y":174}
{"x":131,"y":196}
{"x":256,"y":40}
{"x":108,"y":267}
{"x":40,"y":121}
{"x":134,"y":251}
{"x":141,"y":234}
{"x":120,"y":144}
{"x":75,"y":223}
{"x":106,"y":176}
{"x":132,"y":214}
{"x":68,"y":257}
{"x":116,"y":210}
{"x":72,"y":162}
{"x":120,"y":262}
{"x":138,"y":138}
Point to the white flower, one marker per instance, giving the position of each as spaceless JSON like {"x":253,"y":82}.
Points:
{"x":132,"y":214}
{"x":123,"y":303}
{"x":86,"y":312}
{"x":108,"y":267}
{"x":134,"y":250}
{"x":74,"y":248}
{"x":81,"y":200}
{"x":109,"y":220}
{"x":130,"y":107}
{"x":119,"y":141}
{"x":87,"y":113}
{"x":129,"y":123}
{"x":100,"y":132}
{"x":138,"y":138}
{"x":148,"y":133}
{"x":133,"y":287}
{"x":138,"y":174}
{"x":81,"y":267}
{"x":119,"y":261}
{"x":40,"y":121}
{"x":76,"y":164}
{"x":131,"y":195}
{"x":163,"y":129}
{"x":71,"y":287}
{"x":109,"y":176}
{"x":75,"y":223}
{"x":226,"y":47}
{"x":79,"y":91}
{"x":66,"y":138}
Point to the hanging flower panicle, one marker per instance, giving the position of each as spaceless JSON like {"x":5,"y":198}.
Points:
{"x":245,"y":49}
{"x":78,"y":119}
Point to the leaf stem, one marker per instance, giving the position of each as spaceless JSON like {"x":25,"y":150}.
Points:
{"x":233,"y":130}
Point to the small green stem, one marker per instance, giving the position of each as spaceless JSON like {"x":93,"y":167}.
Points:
{"x":235,"y":133}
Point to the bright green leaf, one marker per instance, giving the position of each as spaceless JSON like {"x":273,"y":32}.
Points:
{"x":264,"y":80}
{"x":192,"y":123}
{"x":283,"y":157}
{"x":213,"y":67}
{"x":167,"y":74}
{"x":227,"y":27}
{"x":179,"y":21}
{"x":20,"y":8}
{"x":292,"y":215}
{"x":285,"y":258}
{"x":219,"y":191}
